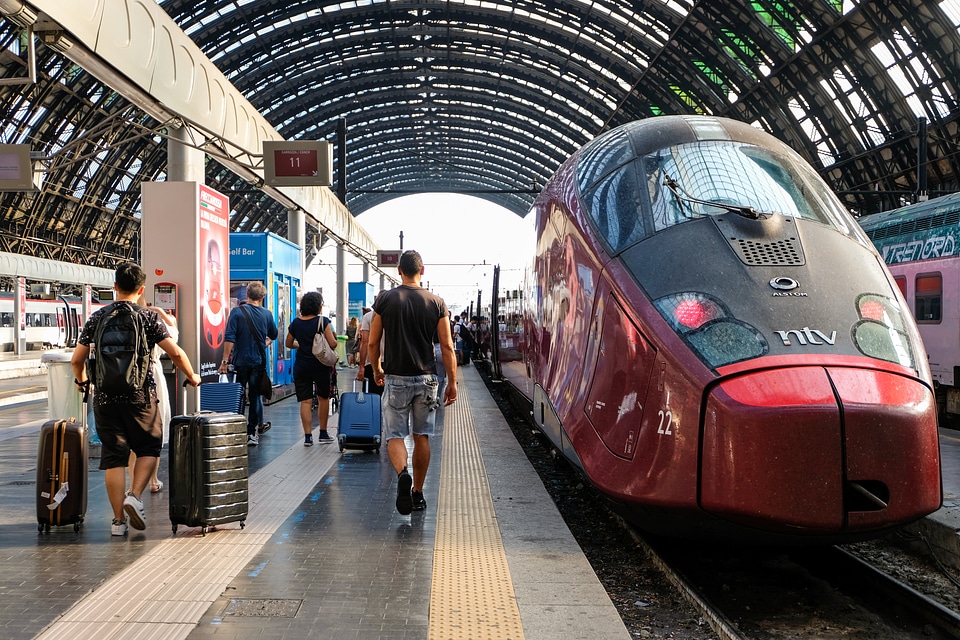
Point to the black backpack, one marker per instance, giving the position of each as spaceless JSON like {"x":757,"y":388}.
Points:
{"x":122,"y":357}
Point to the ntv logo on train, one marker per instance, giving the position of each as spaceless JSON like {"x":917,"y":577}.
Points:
{"x":806,"y":336}
{"x":785,"y":287}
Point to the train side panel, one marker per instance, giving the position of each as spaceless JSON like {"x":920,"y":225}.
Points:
{"x":939,"y":323}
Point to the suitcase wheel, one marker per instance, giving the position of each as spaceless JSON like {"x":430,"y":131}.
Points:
{"x":242,"y":522}
{"x":76,"y":527}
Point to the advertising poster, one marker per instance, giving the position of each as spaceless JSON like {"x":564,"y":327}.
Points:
{"x":214,"y":221}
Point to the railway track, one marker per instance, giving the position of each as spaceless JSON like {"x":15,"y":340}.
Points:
{"x":815,"y":592}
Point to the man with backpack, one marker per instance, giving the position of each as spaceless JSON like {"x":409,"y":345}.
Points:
{"x":118,"y":341}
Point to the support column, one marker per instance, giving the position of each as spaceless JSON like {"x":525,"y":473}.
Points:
{"x":341,"y":289}
{"x":297,"y":234}
{"x":185,"y":162}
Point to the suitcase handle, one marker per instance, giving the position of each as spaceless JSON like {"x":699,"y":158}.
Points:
{"x":185,"y":385}
{"x":366,"y":389}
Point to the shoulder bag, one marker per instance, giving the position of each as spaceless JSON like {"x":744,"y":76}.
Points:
{"x":321,"y":348}
{"x":266,"y":387}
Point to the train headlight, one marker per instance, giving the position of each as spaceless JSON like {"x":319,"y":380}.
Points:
{"x":880,"y":332}
{"x":694,"y":312}
{"x":709,"y":328}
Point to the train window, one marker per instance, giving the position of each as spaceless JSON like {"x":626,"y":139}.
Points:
{"x":929,"y":293}
{"x":602,"y":156}
{"x":902,"y":283}
{"x":6,"y":319}
{"x":616,"y":206}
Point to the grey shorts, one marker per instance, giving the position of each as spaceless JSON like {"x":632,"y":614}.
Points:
{"x":409,"y":403}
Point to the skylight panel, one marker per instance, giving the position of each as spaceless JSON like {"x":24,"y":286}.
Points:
{"x":952,"y":9}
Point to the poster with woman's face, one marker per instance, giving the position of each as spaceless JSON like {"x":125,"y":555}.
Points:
{"x":214,"y":265}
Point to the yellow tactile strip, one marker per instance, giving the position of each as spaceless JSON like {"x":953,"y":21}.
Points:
{"x":472,"y":593}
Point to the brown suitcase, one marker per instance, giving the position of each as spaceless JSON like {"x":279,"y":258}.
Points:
{"x":62,"y":474}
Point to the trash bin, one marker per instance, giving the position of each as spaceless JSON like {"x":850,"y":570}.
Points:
{"x":63,"y":399}
{"x":342,"y":349}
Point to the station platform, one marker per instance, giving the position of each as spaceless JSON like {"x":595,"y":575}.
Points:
{"x":324,"y":553}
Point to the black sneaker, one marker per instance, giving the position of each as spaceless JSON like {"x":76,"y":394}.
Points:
{"x":404,"y":501}
{"x":262,"y":429}
{"x":419,"y":504}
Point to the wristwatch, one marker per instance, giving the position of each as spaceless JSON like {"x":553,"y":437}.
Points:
{"x":223,"y":362}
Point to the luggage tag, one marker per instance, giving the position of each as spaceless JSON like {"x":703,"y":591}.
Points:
{"x":64,"y":489}
{"x":60,"y":497}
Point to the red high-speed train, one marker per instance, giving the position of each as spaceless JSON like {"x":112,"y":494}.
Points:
{"x":710,"y":337}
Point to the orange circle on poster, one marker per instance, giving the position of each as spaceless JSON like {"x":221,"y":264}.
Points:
{"x":159,"y":272}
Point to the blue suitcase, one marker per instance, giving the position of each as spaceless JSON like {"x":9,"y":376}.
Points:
{"x":222,"y":397}
{"x":358,"y":425}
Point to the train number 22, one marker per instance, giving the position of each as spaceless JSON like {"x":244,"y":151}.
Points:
{"x":666,"y":418}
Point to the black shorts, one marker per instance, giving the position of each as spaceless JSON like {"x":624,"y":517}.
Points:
{"x":128,"y":427}
{"x":311,"y":381}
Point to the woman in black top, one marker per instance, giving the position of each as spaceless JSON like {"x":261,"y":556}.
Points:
{"x":310,"y":376}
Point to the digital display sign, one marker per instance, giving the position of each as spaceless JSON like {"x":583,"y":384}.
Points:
{"x":16,"y":169}
{"x":388,"y":258}
{"x":297,"y":163}
{"x":289,"y":163}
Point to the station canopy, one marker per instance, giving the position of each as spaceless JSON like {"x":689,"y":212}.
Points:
{"x":488,"y":98}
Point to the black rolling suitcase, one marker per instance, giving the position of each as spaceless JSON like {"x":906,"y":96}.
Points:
{"x":62,"y":473}
{"x":208,"y":470}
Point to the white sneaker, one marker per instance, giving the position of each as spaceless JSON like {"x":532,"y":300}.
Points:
{"x":253,"y":440}
{"x":118,"y":528}
{"x":134,"y":510}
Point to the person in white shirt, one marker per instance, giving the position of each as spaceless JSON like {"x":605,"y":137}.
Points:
{"x":365,"y":370}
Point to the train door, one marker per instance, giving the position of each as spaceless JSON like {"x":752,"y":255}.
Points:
{"x":73,"y":327}
{"x":68,"y":327}
{"x":625,"y":361}
{"x":62,"y":319}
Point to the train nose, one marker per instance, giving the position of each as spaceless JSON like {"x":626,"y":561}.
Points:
{"x":820,"y":449}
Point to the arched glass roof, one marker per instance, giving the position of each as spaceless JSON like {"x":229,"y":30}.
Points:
{"x":488,"y":97}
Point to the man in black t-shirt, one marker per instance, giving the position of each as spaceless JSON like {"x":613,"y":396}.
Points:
{"x":408,"y":316}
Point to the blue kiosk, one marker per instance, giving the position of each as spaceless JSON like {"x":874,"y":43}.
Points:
{"x":278,"y":263}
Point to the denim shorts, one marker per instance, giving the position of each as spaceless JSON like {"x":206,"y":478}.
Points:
{"x":409,"y":403}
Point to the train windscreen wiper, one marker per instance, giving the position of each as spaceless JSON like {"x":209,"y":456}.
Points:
{"x":681,"y":196}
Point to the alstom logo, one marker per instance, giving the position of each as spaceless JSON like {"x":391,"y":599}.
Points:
{"x":806,"y":336}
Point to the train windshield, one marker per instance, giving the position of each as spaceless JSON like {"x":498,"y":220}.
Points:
{"x":630,"y":197}
{"x":720,"y":174}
